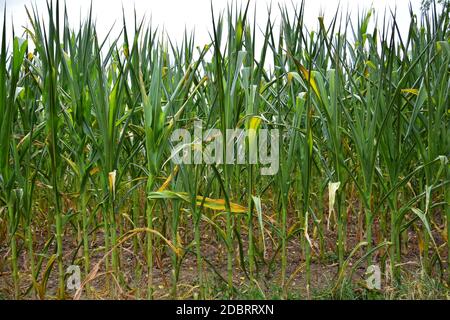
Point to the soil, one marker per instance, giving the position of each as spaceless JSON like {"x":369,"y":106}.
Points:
{"x":133,"y":270}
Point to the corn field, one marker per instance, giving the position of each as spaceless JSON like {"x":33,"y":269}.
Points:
{"x":87,"y":179}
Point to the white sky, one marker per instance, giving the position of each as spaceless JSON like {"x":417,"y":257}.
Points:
{"x":176,"y":15}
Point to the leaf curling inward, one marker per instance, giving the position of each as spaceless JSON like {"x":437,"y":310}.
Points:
{"x":112,"y":182}
{"x":332,"y":189}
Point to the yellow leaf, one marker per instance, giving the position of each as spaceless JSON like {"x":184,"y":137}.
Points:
{"x":219,"y":205}
{"x":290,"y":76}
{"x":94,"y":171}
{"x":112,"y":182}
{"x":332,"y":188}
{"x":253,"y":126}
{"x":169,"y":178}
{"x":411,"y":90}
{"x":420,"y":242}
{"x":254,"y":123}
{"x":308,"y":76}
{"x":370,"y":64}
{"x":179,"y":240}
{"x":214,"y":204}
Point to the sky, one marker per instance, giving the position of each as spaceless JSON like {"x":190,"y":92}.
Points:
{"x":176,"y":15}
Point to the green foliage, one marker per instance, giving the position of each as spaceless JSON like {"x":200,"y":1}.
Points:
{"x":86,"y":175}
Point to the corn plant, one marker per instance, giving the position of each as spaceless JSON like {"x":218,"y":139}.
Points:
{"x":88,"y":174}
